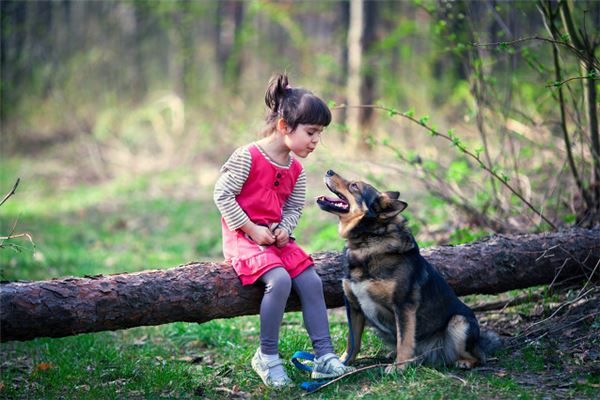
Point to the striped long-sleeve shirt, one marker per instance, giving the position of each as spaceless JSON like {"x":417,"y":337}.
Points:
{"x":233,"y":176}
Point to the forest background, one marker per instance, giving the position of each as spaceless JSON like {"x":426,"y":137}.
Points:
{"x":116,"y":116}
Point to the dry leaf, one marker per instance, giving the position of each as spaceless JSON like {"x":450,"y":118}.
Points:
{"x":42,"y":367}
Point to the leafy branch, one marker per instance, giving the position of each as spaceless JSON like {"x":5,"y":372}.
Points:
{"x":557,"y":83}
{"x":579,"y":53}
{"x":456,"y":142}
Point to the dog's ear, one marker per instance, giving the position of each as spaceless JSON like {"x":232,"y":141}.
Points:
{"x":390,"y":206}
{"x":393,"y":195}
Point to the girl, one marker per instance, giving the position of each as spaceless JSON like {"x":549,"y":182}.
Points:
{"x":260,"y":194}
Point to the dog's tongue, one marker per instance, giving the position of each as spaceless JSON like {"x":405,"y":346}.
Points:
{"x":329,"y":199}
{"x":335,"y":201}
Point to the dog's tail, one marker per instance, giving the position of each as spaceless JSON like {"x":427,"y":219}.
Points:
{"x":489,"y":343}
{"x":440,"y":349}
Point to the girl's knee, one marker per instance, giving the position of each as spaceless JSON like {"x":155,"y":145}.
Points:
{"x":310,"y":277}
{"x":278,"y":281}
{"x":309,"y":283}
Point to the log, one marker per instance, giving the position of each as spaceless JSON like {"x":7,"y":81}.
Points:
{"x":203,"y":291}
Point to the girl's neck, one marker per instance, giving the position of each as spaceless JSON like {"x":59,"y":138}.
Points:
{"x":275,"y":149}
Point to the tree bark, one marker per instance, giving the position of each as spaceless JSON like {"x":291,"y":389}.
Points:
{"x":203,"y":291}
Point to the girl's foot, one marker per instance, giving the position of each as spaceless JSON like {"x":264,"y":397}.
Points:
{"x":329,"y":366}
{"x":270,"y":369}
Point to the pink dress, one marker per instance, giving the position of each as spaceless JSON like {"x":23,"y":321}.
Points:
{"x":262,"y":198}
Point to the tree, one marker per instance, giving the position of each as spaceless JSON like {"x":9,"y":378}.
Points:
{"x":200,"y":292}
{"x":361,"y":73}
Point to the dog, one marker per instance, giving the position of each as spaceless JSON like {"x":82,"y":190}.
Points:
{"x":393,"y":288}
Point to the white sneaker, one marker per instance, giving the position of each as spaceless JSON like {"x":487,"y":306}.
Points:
{"x":329,"y":366}
{"x":264,"y":369}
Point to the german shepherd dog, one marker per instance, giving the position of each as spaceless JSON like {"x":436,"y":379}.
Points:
{"x":393,"y":288}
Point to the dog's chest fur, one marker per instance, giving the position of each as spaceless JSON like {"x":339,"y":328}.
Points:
{"x":374,"y":298}
{"x":379,"y":276}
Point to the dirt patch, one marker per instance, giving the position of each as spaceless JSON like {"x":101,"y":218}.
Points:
{"x":552,"y":344}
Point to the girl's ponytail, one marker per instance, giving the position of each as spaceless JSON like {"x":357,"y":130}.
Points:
{"x":295,"y":105}
{"x":276,"y":92}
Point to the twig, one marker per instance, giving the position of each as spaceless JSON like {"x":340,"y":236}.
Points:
{"x":380,"y":365}
{"x":458,"y":378}
{"x":462,"y":148}
{"x":563,"y":327}
{"x":590,"y":278}
{"x":556,"y":84}
{"x":27,"y":235}
{"x":11,"y":192}
{"x":539,"y":38}
{"x":558,"y":309}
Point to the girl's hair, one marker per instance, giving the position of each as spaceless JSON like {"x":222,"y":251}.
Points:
{"x":295,"y":105}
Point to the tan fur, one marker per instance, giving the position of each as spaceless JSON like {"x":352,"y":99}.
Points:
{"x":392,"y":287}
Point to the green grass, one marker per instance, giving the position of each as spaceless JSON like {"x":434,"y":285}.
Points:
{"x":143,"y":223}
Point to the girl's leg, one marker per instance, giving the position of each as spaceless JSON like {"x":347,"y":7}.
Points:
{"x":309,"y":287}
{"x":277,"y":290}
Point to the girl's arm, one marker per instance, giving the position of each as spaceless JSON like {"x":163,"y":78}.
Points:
{"x":292,"y":209}
{"x":233,"y":176}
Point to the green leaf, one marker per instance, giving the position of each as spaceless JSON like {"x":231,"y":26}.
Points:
{"x":430,"y":165}
{"x":478,"y":151}
{"x":392,"y":112}
{"x":423,"y":120}
{"x":457,"y":171}
{"x":410,"y":113}
{"x":331,"y":103}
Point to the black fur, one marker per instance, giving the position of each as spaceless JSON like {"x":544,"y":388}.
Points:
{"x":393,"y":288}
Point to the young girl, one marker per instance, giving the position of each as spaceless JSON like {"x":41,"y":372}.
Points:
{"x":260,"y":194}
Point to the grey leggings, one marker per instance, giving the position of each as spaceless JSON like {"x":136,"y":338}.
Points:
{"x":309,"y":287}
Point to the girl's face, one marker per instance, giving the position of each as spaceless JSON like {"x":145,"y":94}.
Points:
{"x":304,"y":139}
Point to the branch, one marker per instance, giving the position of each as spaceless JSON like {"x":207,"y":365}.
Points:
{"x":558,"y":84}
{"x":461,"y":147}
{"x":549,"y":16}
{"x":567,"y":45}
{"x":14,"y":189}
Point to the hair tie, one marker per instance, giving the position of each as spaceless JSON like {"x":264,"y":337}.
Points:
{"x":288,"y":87}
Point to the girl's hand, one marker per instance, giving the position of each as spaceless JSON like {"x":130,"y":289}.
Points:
{"x":281,"y":236}
{"x":261,"y":235}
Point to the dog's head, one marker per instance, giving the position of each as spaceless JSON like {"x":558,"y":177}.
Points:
{"x":358,"y":203}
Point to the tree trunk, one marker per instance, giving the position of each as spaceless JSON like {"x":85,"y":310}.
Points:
{"x":228,"y":42}
{"x":200,"y":292}
{"x":361,"y":78}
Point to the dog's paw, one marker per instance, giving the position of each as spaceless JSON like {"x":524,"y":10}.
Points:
{"x":394,"y":368}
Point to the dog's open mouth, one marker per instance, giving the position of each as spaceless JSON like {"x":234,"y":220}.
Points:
{"x":339,"y":205}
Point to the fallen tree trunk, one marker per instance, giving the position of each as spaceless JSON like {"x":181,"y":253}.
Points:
{"x":203,"y":291}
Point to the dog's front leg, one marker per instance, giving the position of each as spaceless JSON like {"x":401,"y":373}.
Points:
{"x":356,"y":326}
{"x":406,"y":318}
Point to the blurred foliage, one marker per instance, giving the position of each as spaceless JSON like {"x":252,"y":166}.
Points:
{"x":103,"y":93}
